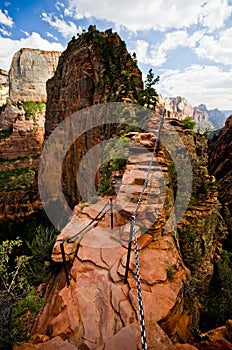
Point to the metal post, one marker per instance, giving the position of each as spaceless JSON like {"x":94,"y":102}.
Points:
{"x":111,"y":214}
{"x":128,"y":254}
{"x":64,"y":261}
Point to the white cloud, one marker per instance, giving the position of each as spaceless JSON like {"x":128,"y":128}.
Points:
{"x":216,"y":49}
{"x":59,"y":5}
{"x":156,"y":55}
{"x":215,"y":13}
{"x":24,"y":32}
{"x":5,"y":32}
{"x":34,"y":41}
{"x":5,"y":19}
{"x":136,"y":15}
{"x":50,"y":35}
{"x":67,"y":29}
{"x":199,"y":84}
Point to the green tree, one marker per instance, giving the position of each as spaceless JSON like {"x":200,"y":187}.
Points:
{"x":189,"y":123}
{"x":148,"y":96}
{"x":18,"y":302}
{"x":13,"y":287}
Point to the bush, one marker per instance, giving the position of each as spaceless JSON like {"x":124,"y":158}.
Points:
{"x":217,"y":306}
{"x":16,"y":179}
{"x":31,"y":108}
{"x":189,"y":123}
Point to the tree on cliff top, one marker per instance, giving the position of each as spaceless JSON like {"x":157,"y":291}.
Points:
{"x":148,"y":96}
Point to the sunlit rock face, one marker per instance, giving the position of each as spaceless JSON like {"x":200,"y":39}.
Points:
{"x":29,"y":71}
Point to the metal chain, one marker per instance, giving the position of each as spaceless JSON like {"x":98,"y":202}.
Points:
{"x":150,"y":165}
{"x":133,"y":222}
{"x":139,"y":290}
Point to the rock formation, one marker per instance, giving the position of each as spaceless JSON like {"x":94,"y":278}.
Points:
{"x":221,"y":167}
{"x":22,"y":121}
{"x":4,"y":87}
{"x":29,"y":71}
{"x":97,"y":310}
{"x":178,"y":106}
{"x":95,"y":68}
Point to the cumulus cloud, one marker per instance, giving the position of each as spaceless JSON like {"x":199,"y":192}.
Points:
{"x":214,"y":14}
{"x":199,"y":84}
{"x":5,"y":19}
{"x":34,"y":41}
{"x":216,"y":49}
{"x":66,"y":29}
{"x":156,"y":55}
{"x":160,"y":15}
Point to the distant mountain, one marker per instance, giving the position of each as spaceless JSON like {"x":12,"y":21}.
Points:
{"x":204,"y":118}
{"x":217,"y":117}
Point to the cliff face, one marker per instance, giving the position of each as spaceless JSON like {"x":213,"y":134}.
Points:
{"x":221,"y":166}
{"x":29,"y":71}
{"x":4,"y":87}
{"x":95,"y":68}
{"x":99,"y":311}
{"x":178,"y":107}
{"x":22,"y":131}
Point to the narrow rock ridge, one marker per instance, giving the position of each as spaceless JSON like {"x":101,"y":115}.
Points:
{"x":99,"y":311}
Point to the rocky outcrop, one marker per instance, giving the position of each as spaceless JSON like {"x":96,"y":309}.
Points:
{"x":22,"y":131}
{"x":97,"y":310}
{"x":4,"y":87}
{"x":220,"y":165}
{"x":29,"y":71}
{"x":26,"y":133}
{"x":178,"y":107}
{"x":95,"y":68}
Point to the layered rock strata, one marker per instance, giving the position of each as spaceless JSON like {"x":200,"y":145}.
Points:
{"x":95,"y":68}
{"x":29,"y":71}
{"x":97,"y":310}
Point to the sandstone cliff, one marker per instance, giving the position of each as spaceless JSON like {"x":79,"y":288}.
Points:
{"x":22,"y":121}
{"x":4,"y":87}
{"x":97,"y":310}
{"x":178,"y":107}
{"x":95,"y":68}
{"x":29,"y":71}
{"x":221,"y":167}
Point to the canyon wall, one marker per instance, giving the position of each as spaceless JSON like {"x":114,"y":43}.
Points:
{"x":22,"y":121}
{"x":95,"y":68}
{"x":29,"y":71}
{"x":4,"y":87}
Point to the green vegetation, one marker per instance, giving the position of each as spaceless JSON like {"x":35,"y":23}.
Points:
{"x":31,"y":108}
{"x":171,"y":271}
{"x":116,"y":151}
{"x":25,"y":263}
{"x":217,"y":305}
{"x":16,"y":179}
{"x":5,"y":133}
{"x":148,"y":96}
{"x":189,"y":123}
{"x":20,"y":159}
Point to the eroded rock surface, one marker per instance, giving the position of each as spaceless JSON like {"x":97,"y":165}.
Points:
{"x":29,"y":71}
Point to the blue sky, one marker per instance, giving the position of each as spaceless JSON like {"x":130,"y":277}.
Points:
{"x":187,"y":43}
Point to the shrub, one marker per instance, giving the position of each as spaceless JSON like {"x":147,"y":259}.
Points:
{"x":189,"y":123}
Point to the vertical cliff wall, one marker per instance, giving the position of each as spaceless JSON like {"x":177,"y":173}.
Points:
{"x":220,"y":165}
{"x":29,"y":71}
{"x":4,"y":87}
{"x":95,"y":68}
